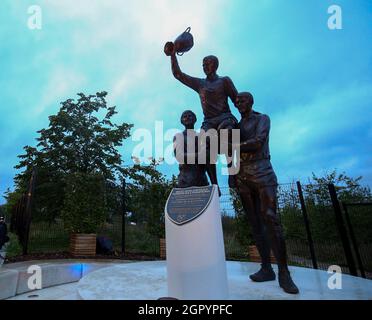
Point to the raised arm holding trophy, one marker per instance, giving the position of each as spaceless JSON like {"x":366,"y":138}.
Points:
{"x":213,"y":91}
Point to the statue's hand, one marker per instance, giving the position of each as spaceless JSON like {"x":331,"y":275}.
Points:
{"x":169,"y":49}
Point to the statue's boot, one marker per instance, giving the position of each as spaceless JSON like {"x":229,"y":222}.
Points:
{"x":280,"y":253}
{"x":266,"y":273}
{"x":286,"y":282}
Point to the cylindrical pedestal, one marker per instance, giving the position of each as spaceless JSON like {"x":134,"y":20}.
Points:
{"x":196,"y":265}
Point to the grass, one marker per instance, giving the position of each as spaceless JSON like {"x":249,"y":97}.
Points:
{"x":13,"y":248}
{"x":46,"y":237}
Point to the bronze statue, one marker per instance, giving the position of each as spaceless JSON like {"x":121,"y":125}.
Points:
{"x":257,"y":186}
{"x":186,"y":148}
{"x":213,"y":91}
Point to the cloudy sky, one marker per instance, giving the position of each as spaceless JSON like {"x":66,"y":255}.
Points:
{"x":314,"y":83}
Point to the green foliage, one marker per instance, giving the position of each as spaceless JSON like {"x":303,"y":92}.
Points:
{"x":13,"y":248}
{"x":290,"y":212}
{"x":243,"y":230}
{"x":84,"y":207}
{"x":80,"y":138}
{"x":147,"y":195}
{"x":234,"y":248}
{"x":140,"y":241}
{"x":348,"y":189}
{"x":320,"y":210}
{"x":11,"y":200}
{"x":293,"y":223}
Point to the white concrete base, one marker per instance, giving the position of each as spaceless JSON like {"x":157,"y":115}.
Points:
{"x":147,"y":281}
{"x":196,"y":266}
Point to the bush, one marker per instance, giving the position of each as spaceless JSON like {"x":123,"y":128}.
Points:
{"x":243,"y":229}
{"x":13,"y":248}
{"x":84,"y":209}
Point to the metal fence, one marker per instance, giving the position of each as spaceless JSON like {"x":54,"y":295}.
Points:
{"x":48,"y":237}
{"x":357,"y":220}
{"x":319,"y":230}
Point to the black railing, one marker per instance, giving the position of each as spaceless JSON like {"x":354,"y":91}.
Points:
{"x":319,"y":231}
{"x":360,"y":247}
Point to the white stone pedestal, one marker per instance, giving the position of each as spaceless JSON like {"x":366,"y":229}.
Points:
{"x":196,"y":265}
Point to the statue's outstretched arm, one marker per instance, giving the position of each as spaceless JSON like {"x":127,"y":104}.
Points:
{"x":192,"y":82}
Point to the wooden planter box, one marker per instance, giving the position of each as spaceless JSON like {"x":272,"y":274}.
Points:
{"x":82,"y":244}
{"x":163,"y":249}
{"x":254,"y":256}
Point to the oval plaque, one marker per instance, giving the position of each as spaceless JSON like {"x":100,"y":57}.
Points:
{"x":186,"y":204}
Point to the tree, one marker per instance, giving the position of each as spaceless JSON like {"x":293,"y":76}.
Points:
{"x":320,"y":210}
{"x":2,"y":210}
{"x":81,"y":140}
{"x":347,"y":188}
{"x":148,"y":193}
{"x":84,"y":206}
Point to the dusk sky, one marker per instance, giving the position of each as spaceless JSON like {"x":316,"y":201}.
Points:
{"x":315,"y":83}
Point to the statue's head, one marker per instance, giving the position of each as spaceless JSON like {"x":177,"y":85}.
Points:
{"x":244,"y":102}
{"x":188,"y":118}
{"x":210,"y":65}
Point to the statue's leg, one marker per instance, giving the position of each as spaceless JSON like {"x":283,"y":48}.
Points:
{"x":229,"y":125}
{"x":211,"y":156}
{"x":274,"y":229}
{"x":251,"y":206}
{"x":267,"y":197}
{"x":212,"y":173}
{"x":231,"y":179}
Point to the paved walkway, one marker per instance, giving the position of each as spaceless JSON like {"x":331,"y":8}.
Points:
{"x":147,"y":280}
{"x":63,"y":292}
{"x":59,"y":277}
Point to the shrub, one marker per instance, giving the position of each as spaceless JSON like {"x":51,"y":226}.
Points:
{"x":84,"y":209}
{"x":13,"y":247}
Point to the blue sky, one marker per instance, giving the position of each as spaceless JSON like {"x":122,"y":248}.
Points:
{"x":314,"y":83}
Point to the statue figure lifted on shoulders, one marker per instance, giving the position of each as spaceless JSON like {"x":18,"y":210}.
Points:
{"x":214,"y":92}
{"x":186,"y":149}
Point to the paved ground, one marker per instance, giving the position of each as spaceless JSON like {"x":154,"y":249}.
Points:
{"x":63,"y":292}
{"x":147,"y":280}
{"x":59,"y":277}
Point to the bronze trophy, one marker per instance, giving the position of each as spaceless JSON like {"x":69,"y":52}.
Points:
{"x":182,"y":44}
